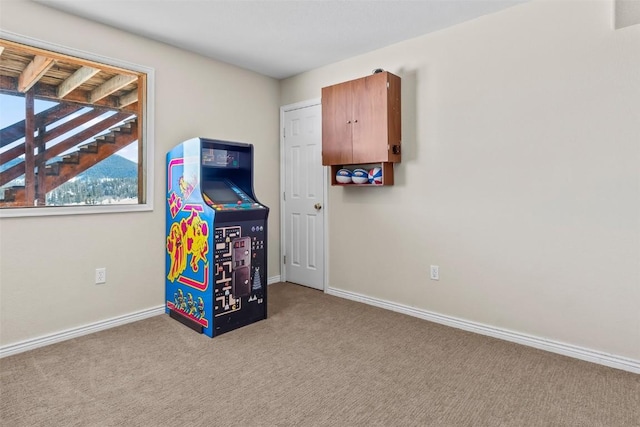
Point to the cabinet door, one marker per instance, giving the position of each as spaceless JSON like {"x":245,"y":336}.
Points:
{"x":370,"y":127}
{"x":336,"y":124}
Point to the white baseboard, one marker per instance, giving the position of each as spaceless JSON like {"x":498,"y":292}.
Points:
{"x":581,"y":353}
{"x":11,"y":349}
{"x":273,"y":279}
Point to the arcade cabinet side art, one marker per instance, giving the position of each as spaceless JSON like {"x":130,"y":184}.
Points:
{"x":188,"y":241}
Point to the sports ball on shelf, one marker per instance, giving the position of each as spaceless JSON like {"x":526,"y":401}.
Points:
{"x":343,"y":176}
{"x":375,"y":176}
{"x":360,"y":176}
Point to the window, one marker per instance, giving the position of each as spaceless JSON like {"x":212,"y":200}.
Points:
{"x":74,"y":131}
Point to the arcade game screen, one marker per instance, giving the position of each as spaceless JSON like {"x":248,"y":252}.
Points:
{"x":220,"y":192}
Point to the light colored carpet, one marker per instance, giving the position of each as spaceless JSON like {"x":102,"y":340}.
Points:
{"x":317,"y":360}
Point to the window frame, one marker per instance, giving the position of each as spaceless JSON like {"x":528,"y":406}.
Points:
{"x":146,"y":135}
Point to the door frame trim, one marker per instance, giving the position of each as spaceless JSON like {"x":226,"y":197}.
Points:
{"x":325,"y":221}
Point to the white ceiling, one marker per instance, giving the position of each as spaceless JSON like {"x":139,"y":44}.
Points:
{"x":280,"y":38}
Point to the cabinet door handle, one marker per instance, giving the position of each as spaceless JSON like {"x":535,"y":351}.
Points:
{"x":355,"y":121}
{"x":348,"y":122}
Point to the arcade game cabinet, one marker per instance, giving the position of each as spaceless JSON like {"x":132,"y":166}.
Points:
{"x":216,"y":237}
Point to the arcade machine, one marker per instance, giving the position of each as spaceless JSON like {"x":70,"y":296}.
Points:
{"x":216,"y":237}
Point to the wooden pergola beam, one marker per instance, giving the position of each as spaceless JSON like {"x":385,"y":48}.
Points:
{"x":29,"y":143}
{"x":128,"y":98}
{"x":44,"y":118}
{"x":76,"y":79}
{"x":36,"y":51}
{"x":8,"y":85}
{"x":85,"y":134}
{"x":110,"y":86}
{"x":33,"y":72}
{"x":74,"y":123}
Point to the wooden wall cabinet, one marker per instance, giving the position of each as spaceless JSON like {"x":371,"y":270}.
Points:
{"x":361,"y":122}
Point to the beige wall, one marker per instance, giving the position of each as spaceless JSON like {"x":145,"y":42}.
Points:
{"x":627,"y":13}
{"x":520,"y":177}
{"x":47,"y":264}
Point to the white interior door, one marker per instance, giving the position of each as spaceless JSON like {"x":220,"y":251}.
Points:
{"x":303,"y":225}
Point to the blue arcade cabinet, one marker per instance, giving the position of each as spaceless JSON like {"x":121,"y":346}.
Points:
{"x":216,"y":237}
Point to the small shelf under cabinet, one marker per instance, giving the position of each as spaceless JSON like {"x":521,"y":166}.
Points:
{"x":387,"y":173}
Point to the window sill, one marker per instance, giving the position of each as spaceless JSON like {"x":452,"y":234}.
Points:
{"x":75,"y":210}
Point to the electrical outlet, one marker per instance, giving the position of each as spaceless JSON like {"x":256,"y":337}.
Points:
{"x":435,"y":272}
{"x":101,"y":275}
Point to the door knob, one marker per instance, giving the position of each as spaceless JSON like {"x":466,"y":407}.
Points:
{"x":318,"y":206}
